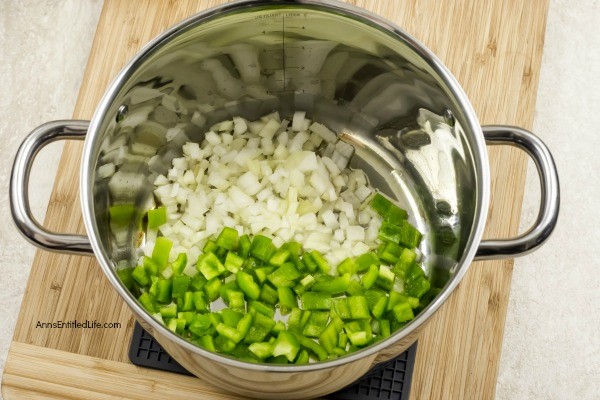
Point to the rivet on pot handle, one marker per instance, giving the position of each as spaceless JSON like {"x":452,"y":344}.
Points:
{"x":19,"y":185}
{"x":550,"y":194}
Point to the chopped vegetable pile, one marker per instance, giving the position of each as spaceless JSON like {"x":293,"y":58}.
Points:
{"x":284,"y":304}
{"x":288,"y":180}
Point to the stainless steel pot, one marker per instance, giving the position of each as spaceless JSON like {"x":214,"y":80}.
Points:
{"x":415,"y":133}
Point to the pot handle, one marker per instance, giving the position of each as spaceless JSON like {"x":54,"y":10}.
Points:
{"x":550,"y":194}
{"x":19,"y":188}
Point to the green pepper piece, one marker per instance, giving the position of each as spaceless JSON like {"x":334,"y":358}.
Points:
{"x":277,"y":360}
{"x":286,"y":345}
{"x":157,"y":217}
{"x":333,"y":286}
{"x":394,"y":299}
{"x":310,"y":263}
{"x":406,"y":259}
{"x":321,"y":262}
{"x":247,"y":285}
{"x":316,"y":324}
{"x":231,"y":285}
{"x":223,"y":344}
{"x":298,"y":263}
{"x":187,"y":301}
{"x":302,"y":358}
{"x":339,"y":352}
{"x":259,"y":329}
{"x":210,"y":266}
{"x":402,"y":312}
{"x":369,"y":279}
{"x":153,"y":286}
{"x":261,"y":350}
{"x":358,"y":307}
{"x":364,"y":261}
{"x":241,"y":352}
{"x":125,"y":277}
{"x":216,"y":318}
{"x":147,"y":302}
{"x":231,"y":317}
{"x":262,"y":247}
{"x":355,"y":288}
{"x":329,"y":337}
{"x":341,"y":308}
{"x":236,"y":300}
{"x":198,"y":282}
{"x":210,"y":247}
{"x":417,"y":287}
{"x":359,"y":334}
{"x":294,"y":248}
{"x":314,"y":347}
{"x":233,"y":262}
{"x":213,"y":288}
{"x":391,"y":252}
{"x":396,"y":215}
{"x":180,"y":285}
{"x":244,"y":246}
{"x":414,"y":302}
{"x":343,"y":340}
{"x":151,"y":266}
{"x":207,"y":342}
{"x":316,"y":301}
{"x":380,"y":307}
{"x":140,"y":275}
{"x":236,"y":334}
{"x":200,"y":301}
{"x":163,"y":293}
{"x":287,"y":299}
{"x":227,"y":238}
{"x":161,"y":251}
{"x":168,"y":311}
{"x":179,"y":264}
{"x":348,"y":266}
{"x":381,"y":204}
{"x":245,"y":323}
{"x":261,"y":308}
{"x":298,"y":320}
{"x":278,"y":328}
{"x":269,"y":295}
{"x":121,"y":214}
{"x":279,"y":257}
{"x":188,"y":316}
{"x":385,"y":278}
{"x":384,"y":328}
{"x":261,"y":274}
{"x":285,"y":275}
{"x":410,"y":237}
{"x":304,"y":284}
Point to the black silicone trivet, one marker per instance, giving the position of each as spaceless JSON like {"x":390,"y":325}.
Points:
{"x":389,"y":381}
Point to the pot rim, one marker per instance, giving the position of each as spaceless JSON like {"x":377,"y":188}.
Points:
{"x":479,"y":152}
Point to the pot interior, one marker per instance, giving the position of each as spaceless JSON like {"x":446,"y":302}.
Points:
{"x":415,"y":135}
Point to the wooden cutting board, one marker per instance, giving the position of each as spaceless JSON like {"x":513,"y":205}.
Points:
{"x":493,"y":47}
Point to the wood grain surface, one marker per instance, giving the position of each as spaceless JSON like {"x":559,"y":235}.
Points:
{"x":494,"y":49}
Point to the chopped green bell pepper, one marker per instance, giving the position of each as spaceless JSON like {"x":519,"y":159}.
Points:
{"x":316,"y":323}
{"x":161,"y":251}
{"x":247,"y":285}
{"x":286,"y":345}
{"x":314,"y":301}
{"x":287,"y":299}
{"x":210,"y":266}
{"x":157,"y":217}
{"x":262,"y":247}
{"x":227,"y":238}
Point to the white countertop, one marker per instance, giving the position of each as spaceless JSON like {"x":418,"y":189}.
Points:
{"x":551,"y":346}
